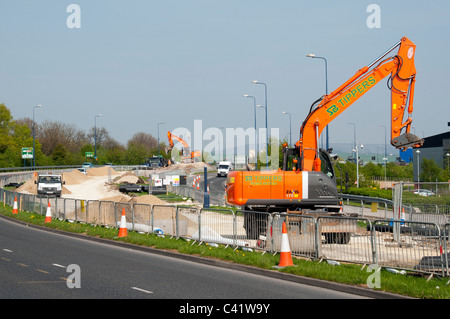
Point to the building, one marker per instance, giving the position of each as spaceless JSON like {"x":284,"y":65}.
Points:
{"x":435,"y":147}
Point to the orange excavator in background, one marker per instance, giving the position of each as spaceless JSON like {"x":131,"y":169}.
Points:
{"x":306,"y":181}
{"x":186,"y":154}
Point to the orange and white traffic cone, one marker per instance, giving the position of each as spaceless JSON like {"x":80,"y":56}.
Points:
{"x":48,"y":214}
{"x":15,"y":209}
{"x":285,"y":254}
{"x":123,"y":225}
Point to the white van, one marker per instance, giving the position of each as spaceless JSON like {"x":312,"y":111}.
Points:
{"x":223,"y":168}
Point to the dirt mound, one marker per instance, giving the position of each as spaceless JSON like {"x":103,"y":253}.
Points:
{"x":119,"y":199}
{"x":74,"y":177}
{"x":148,"y":199}
{"x":128,"y":177}
{"x":28,"y":187}
{"x":101,"y":171}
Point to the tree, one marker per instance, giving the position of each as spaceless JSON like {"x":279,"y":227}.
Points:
{"x":430,"y":171}
{"x":61,"y":156}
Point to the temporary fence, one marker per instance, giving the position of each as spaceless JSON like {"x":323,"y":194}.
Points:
{"x":419,"y":246}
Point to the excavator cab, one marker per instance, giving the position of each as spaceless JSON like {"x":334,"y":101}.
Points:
{"x":292,"y":161}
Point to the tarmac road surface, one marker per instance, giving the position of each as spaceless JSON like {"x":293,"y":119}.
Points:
{"x":36,"y":263}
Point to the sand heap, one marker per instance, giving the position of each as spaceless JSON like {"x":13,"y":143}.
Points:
{"x":101,"y":171}
{"x":128,"y":177}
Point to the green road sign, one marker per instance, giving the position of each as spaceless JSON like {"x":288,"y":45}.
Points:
{"x":27,"y":152}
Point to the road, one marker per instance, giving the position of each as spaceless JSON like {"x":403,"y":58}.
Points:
{"x":36,"y":263}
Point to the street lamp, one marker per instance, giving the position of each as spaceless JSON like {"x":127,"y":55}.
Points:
{"x":158,"y":136}
{"x":95,"y":136}
{"x":290,"y":128}
{"x":267,"y":132}
{"x":385,"y":147}
{"x":312,"y":55}
{"x":256,"y":147}
{"x":34,"y":153}
{"x":418,"y":169}
{"x":354,"y":135}
{"x":357,"y":164}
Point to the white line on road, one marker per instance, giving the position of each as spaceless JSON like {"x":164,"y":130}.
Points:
{"x":142,"y":290}
{"x":60,"y":266}
{"x":7,"y":250}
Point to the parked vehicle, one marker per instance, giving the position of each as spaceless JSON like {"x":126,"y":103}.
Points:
{"x":423,"y":192}
{"x":49,"y":185}
{"x":87,"y":165}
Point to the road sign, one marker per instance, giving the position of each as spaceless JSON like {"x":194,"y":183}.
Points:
{"x":27,"y":152}
{"x":89,"y":154}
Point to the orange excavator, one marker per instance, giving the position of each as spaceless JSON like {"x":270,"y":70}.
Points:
{"x":306,"y":181}
{"x":186,"y":154}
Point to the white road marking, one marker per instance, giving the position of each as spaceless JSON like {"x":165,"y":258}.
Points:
{"x":60,"y":266}
{"x":142,"y":290}
{"x":7,"y":250}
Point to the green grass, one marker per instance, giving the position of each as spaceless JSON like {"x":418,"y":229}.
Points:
{"x":412,"y":285}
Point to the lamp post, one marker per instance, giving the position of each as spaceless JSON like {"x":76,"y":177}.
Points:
{"x":158,"y":136}
{"x":34,"y":152}
{"x":354,"y":135}
{"x":256,"y":147}
{"x":95,"y":137}
{"x":385,"y":147}
{"x":290,"y":128}
{"x":357,"y":164}
{"x":418,"y":169}
{"x":267,"y":131}
{"x":312,"y":55}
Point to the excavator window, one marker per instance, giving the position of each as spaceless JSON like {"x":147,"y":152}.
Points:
{"x":326,"y":164}
{"x":291,"y":159}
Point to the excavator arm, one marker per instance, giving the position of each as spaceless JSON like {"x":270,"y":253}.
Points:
{"x":401,"y":71}
{"x":188,"y":155}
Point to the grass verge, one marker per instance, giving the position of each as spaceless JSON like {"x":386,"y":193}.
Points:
{"x":411,"y":285}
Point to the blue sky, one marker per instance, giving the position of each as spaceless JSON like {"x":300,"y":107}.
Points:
{"x":141,"y":62}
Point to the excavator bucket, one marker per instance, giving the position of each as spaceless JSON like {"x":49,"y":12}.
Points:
{"x":407,"y":140}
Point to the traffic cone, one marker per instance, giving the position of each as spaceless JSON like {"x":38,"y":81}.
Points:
{"x":123,"y":225}
{"x":285,"y":254}
{"x":48,"y":215}
{"x":15,"y":209}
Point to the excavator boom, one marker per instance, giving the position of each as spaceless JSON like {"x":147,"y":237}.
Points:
{"x":402,"y":72}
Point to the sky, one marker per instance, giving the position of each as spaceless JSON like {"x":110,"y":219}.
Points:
{"x":144,"y":62}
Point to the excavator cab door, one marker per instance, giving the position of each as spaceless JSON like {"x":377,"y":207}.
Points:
{"x":326,"y":164}
{"x":291,"y":159}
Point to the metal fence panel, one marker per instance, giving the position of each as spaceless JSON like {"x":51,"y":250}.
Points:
{"x":188,"y":221}
{"x":107,"y":215}
{"x":142,"y":217}
{"x":218,"y":226}
{"x":301,"y":231}
{"x":119,"y":208}
{"x":164,"y":219}
{"x":345,"y":238}
{"x":408,"y":245}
